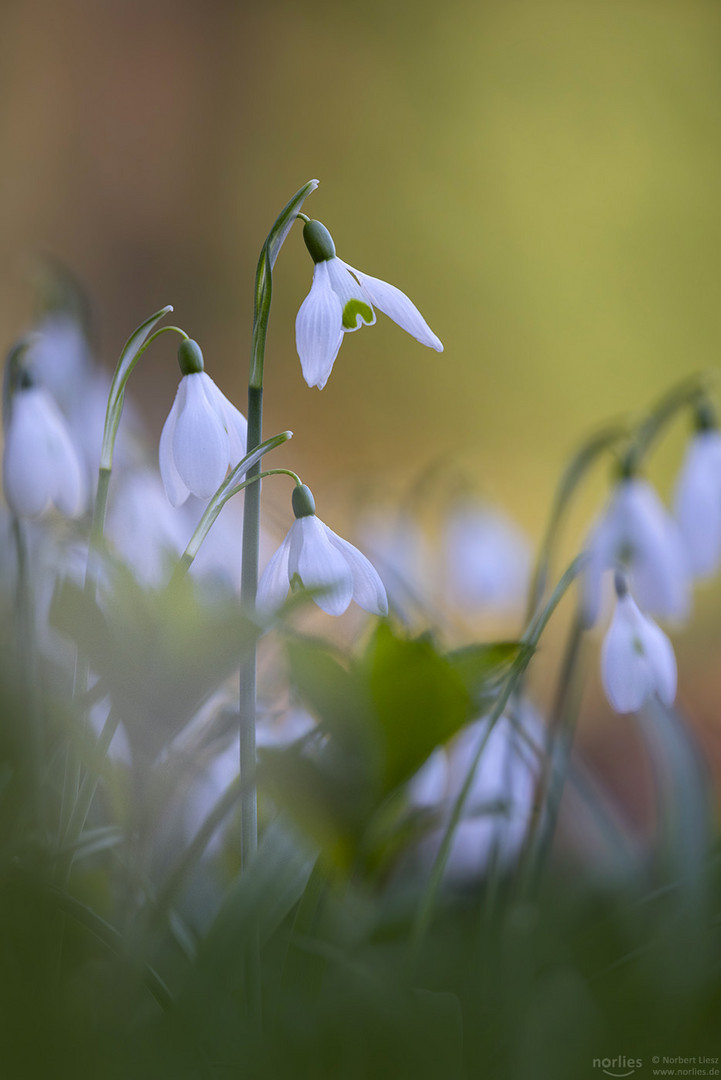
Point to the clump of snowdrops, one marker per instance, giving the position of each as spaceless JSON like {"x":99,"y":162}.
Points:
{"x":231,"y":845}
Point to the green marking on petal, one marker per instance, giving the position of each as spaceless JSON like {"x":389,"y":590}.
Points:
{"x":352,"y":310}
{"x":296,"y":584}
{"x":638,"y":646}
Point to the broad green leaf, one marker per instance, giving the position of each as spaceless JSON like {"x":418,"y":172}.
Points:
{"x":420,"y":701}
{"x":481,"y":667}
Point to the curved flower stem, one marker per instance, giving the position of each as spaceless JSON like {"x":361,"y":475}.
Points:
{"x":213,"y":509}
{"x":570,"y":480}
{"x":133,"y":349}
{"x":251,"y":542}
{"x":687,"y":392}
{"x":531,"y":639}
{"x":554,"y":763}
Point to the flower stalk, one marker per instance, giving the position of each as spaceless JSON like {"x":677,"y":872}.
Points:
{"x":251,"y":544}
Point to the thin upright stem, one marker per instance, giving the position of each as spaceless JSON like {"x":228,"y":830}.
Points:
{"x":248,"y":591}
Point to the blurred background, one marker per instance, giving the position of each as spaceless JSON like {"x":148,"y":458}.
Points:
{"x":541,"y":178}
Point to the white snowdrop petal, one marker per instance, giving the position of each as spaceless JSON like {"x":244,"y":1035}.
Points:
{"x":275,"y":581}
{"x":368,"y":589}
{"x":697,"y":503}
{"x":70,"y":495}
{"x":398,"y":307}
{"x":200,"y":445}
{"x":634,"y":530}
{"x":319,"y":565}
{"x":356,"y":304}
{"x":319,"y":329}
{"x":41,"y":464}
{"x":599,"y":557}
{"x":175,"y":488}
{"x":625,"y":671}
{"x":25,"y":477}
{"x":662,"y":661}
{"x":232,"y":419}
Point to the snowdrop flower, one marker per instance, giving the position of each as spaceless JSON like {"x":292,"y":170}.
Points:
{"x":314,"y":557}
{"x":697,"y":502}
{"x":40,"y":463}
{"x":340,"y":300}
{"x":635,"y":532}
{"x":60,"y":357}
{"x":488,"y":559}
{"x":500,"y":802}
{"x":146,"y":532}
{"x":637,"y":659}
{"x":203,"y":436}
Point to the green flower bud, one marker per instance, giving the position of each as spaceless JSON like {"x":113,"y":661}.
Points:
{"x":705,"y":418}
{"x":318,"y":241}
{"x":190,"y":358}
{"x":303,"y":501}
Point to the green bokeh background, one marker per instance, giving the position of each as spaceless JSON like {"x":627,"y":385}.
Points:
{"x":542,"y":178}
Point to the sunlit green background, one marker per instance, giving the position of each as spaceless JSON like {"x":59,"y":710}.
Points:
{"x":542,"y":178}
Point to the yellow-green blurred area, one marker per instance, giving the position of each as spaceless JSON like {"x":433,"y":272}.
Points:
{"x":542,"y":178}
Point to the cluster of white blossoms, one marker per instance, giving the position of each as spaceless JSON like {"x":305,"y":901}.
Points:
{"x":203,"y":437}
{"x":656,"y":556}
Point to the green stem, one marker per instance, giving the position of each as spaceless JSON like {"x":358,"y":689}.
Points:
{"x":554,"y":763}
{"x":248,"y":591}
{"x":133,"y":349}
{"x":687,"y":392}
{"x":28,"y":665}
{"x":228,"y":488}
{"x":570,"y":480}
{"x":249,"y":565}
{"x":86,"y":794}
{"x":530,"y":638}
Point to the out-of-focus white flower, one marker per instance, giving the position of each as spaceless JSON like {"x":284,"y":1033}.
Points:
{"x":487,"y":559}
{"x":218,"y":560}
{"x":637,"y":659}
{"x":40,"y":463}
{"x":203,"y":436}
{"x":499,"y":805}
{"x":285,"y":728}
{"x":60,"y":357}
{"x":697,"y":502}
{"x":341,"y":299}
{"x":399,"y":550}
{"x":635,"y":533}
{"x":313,"y":556}
{"x":146,"y":532}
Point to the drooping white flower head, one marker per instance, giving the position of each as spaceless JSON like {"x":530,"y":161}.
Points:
{"x":203,"y":435}
{"x":341,"y":300}
{"x":637,"y":658}
{"x":487,"y":559}
{"x":40,"y":464}
{"x":697,"y":502}
{"x":313,"y":556}
{"x":635,"y":532}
